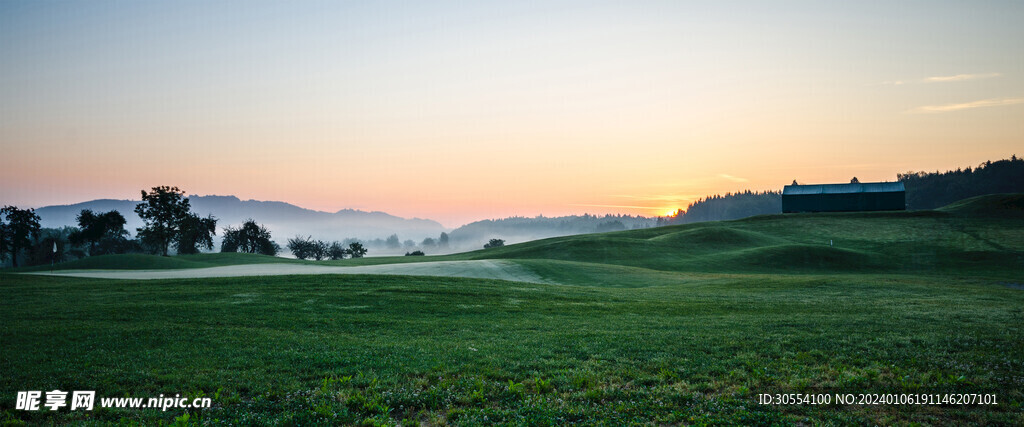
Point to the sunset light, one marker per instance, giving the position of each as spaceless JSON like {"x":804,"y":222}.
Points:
{"x":517,"y":212}
{"x":460,"y":113}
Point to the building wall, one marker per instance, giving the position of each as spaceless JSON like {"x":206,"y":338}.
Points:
{"x":844,"y":202}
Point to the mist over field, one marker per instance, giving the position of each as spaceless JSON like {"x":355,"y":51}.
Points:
{"x":284,"y":220}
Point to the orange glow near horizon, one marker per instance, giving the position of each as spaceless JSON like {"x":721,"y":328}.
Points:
{"x":456,"y":179}
{"x":485,"y":111}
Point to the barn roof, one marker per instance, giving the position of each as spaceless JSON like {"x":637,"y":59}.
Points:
{"x":864,"y":187}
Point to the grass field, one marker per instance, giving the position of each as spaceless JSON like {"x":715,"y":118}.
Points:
{"x":674,"y":325}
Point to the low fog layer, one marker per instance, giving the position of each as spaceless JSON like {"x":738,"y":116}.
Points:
{"x":282,"y":219}
{"x":382,"y":233}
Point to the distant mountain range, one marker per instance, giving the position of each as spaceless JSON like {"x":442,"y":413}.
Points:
{"x":284,"y":220}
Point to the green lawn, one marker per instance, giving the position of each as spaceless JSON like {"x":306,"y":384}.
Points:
{"x":965,"y":238}
{"x":675,"y":325}
{"x":456,"y":350}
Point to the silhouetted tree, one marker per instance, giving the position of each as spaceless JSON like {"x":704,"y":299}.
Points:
{"x":319,"y":250}
{"x":22,"y":226}
{"x":442,"y":241}
{"x":301,"y":247}
{"x":429,"y":242}
{"x":415,"y":253}
{"x":356,"y":250}
{"x":95,"y":228}
{"x":494,"y":243}
{"x":729,"y":206}
{"x":336,"y":251}
{"x":5,"y":240}
{"x":163,"y":210}
{"x":306,"y":247}
{"x":230,"y":242}
{"x":854,"y":181}
{"x":249,"y":238}
{"x":122,"y":246}
{"x":196,"y":233}
{"x":930,"y":190}
{"x":90,"y":229}
{"x":268,"y":247}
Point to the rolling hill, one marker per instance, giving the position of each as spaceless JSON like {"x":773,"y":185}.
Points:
{"x":983,"y":234}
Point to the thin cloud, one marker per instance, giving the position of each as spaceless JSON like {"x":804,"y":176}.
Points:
{"x":732,"y":178}
{"x":939,"y":79}
{"x":998,"y":102}
{"x":960,"y":77}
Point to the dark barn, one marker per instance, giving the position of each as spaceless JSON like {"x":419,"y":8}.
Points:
{"x":868,"y":196}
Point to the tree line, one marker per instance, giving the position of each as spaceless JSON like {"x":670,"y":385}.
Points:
{"x":930,"y":190}
{"x":16,"y":231}
{"x":168,"y":223}
{"x":727,"y":207}
{"x":924,"y":190}
{"x":307,"y":248}
{"x":96,"y":234}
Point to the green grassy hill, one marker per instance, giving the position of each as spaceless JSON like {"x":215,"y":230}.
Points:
{"x":982,"y":234}
{"x":157,"y":262}
{"x":1009,"y":205}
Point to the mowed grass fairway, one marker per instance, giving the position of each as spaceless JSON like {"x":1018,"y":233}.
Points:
{"x":916,"y":302}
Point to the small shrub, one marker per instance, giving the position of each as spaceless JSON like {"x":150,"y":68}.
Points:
{"x":515,"y":388}
{"x":543,"y":386}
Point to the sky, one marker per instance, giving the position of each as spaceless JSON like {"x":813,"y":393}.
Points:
{"x":466,"y":110}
